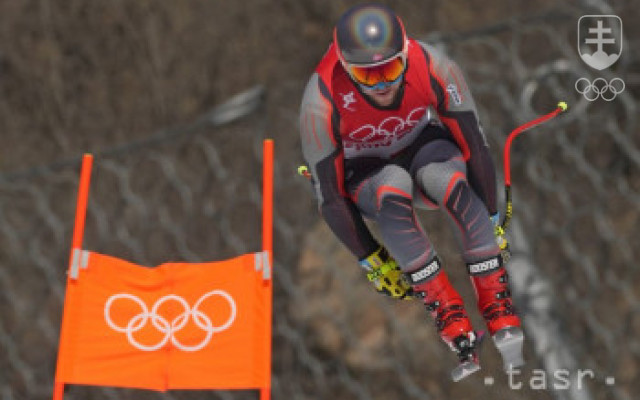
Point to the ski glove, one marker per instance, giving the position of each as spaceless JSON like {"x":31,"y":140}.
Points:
{"x":386,"y":276}
{"x":505,"y":251}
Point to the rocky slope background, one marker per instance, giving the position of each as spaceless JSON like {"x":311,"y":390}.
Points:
{"x":139,"y":84}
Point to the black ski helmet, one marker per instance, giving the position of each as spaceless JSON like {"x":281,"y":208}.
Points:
{"x":369,"y":34}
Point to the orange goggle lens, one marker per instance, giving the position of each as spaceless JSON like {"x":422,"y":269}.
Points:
{"x":370,"y":76}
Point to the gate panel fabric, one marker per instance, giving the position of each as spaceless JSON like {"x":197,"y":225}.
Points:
{"x":175,"y":326}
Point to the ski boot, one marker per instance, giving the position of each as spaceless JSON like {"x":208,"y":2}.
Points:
{"x":490,"y":281}
{"x":431,"y":285}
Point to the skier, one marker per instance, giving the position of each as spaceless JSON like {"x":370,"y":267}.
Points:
{"x":387,"y":123}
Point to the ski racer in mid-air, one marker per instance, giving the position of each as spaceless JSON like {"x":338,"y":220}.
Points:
{"x":387,"y":124}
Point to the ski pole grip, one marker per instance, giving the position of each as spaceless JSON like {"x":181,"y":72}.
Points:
{"x":508,"y":213}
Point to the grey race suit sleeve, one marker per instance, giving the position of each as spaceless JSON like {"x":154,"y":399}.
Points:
{"x":322,"y":150}
{"x":457,"y":111}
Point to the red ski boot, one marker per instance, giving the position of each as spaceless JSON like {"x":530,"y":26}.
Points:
{"x":491,"y":283}
{"x":445,"y":305}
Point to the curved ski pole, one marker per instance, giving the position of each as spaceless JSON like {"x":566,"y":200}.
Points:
{"x":508,"y":214}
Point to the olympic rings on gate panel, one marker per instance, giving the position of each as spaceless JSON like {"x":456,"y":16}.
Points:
{"x":168,"y":328}
{"x":600,"y":88}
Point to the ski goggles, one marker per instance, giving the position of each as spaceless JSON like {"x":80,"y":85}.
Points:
{"x":379,"y":76}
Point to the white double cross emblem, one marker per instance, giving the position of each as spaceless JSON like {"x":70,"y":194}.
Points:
{"x":165,"y":327}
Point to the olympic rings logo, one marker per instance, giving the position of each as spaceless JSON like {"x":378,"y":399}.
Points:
{"x":389,"y":128}
{"x":600,"y":88}
{"x":169,"y":328}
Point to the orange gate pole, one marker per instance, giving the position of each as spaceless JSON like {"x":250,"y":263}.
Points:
{"x":76,"y":244}
{"x":267,"y":245}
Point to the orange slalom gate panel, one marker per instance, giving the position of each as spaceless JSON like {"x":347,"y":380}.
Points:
{"x":175,"y":326}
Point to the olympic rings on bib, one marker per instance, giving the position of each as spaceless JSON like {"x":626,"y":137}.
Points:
{"x":168,"y":328}
{"x":600,"y":88}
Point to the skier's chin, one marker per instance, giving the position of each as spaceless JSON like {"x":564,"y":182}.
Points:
{"x":383,"y":97}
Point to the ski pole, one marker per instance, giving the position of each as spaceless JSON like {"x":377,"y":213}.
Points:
{"x":562,"y":106}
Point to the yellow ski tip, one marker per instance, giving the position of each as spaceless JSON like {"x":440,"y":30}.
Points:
{"x":563,"y":106}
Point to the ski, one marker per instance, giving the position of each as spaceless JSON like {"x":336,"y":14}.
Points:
{"x":467,"y":351}
{"x":509,"y":342}
{"x":465,"y":369}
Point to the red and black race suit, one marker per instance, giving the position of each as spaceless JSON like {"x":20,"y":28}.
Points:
{"x":344,"y":134}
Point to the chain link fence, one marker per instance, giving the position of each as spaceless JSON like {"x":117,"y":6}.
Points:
{"x":576,"y":198}
{"x":192,"y":193}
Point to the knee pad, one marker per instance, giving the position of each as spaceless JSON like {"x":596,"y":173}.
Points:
{"x":392,"y":182}
{"x":436,"y":179}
